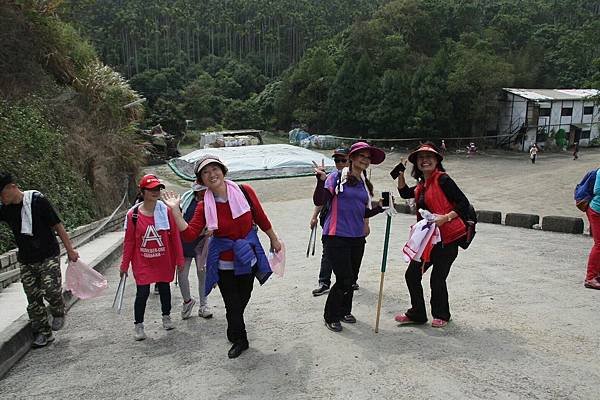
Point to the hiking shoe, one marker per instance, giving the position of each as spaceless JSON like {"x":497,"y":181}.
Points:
{"x":355,"y":286}
{"x":58,"y":323}
{"x":139,"y":332}
{"x":186,"y":309}
{"x":349,"y":319}
{"x":592,"y":284}
{"x":42,"y":340}
{"x":334,"y":326}
{"x":167,"y":323}
{"x":205,"y":312}
{"x":438,"y":323}
{"x":403,"y":319}
{"x":322,"y":289}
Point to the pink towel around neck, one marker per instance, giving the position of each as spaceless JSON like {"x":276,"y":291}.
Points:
{"x":237,"y":203}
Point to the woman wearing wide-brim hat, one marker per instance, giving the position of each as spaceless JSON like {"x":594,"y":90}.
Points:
{"x":349,"y":193}
{"x":438,"y":193}
{"x":235,"y":254}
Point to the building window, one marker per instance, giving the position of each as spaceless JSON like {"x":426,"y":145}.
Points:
{"x":588,"y":110}
{"x":545,"y":112}
{"x":566,"y":111}
{"x":585,"y":135}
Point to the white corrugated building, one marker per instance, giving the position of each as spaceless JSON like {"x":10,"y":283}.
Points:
{"x":532,"y":114}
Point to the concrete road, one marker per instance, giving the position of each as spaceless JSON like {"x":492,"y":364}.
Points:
{"x":523,"y":327}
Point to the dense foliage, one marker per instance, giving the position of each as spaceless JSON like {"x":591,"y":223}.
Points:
{"x":427,"y":68}
{"x":63,"y":127}
{"x":421,"y":68}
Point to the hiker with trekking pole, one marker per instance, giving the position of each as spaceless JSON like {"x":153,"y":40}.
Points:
{"x":442,"y":207}
{"x":349,"y":193}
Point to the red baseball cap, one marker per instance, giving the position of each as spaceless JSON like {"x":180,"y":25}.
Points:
{"x":150,"y":182}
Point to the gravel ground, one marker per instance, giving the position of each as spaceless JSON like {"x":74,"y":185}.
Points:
{"x":523,"y":325}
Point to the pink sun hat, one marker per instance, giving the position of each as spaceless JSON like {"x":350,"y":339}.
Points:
{"x":377,"y":155}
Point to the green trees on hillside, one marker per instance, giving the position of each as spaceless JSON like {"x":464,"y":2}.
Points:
{"x":427,"y":68}
{"x":372,"y":68}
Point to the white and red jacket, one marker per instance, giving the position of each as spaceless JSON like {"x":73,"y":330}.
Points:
{"x":153,"y":254}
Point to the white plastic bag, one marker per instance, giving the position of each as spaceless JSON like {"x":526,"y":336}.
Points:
{"x":84,"y":282}
{"x":277,"y":260}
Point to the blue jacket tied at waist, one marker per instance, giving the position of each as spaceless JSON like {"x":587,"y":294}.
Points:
{"x":245,"y":251}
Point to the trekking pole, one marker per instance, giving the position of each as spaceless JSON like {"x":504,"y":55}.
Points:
{"x":314,"y":242}
{"x":118,"y":301}
{"x":313,"y":232}
{"x":383,"y":265}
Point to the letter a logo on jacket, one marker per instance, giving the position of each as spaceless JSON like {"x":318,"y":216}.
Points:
{"x":151,"y":235}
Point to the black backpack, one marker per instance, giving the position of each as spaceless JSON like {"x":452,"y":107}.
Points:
{"x":470,"y":221}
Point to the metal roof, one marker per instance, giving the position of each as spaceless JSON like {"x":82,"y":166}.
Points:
{"x":553,"y":94}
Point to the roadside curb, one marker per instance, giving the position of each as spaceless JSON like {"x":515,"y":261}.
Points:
{"x":549,"y":223}
{"x":15,"y":341}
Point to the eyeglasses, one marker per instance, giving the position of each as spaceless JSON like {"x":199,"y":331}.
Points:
{"x":340,"y":160}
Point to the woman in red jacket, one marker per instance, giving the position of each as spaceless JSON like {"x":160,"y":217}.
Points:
{"x":153,"y":247}
{"x":438,"y":193}
{"x":235,"y":255}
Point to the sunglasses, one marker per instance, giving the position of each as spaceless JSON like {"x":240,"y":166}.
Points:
{"x":340,"y":160}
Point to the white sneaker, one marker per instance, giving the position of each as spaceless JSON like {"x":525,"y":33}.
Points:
{"x":204,"y":312}
{"x":139,"y":332}
{"x":167,"y":323}
{"x":186,"y":309}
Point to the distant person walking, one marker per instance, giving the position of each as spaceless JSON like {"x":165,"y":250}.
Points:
{"x":349,"y":191}
{"x":340,"y":157}
{"x":533,"y":153}
{"x":235,"y":254}
{"x":443,"y":147}
{"x":35,"y":223}
{"x":437,"y":193}
{"x":576,"y":151}
{"x":193,"y":251}
{"x":152,"y":246}
{"x":592,"y":278}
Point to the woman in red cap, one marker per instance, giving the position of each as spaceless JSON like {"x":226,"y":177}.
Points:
{"x":438,"y":193}
{"x":349,"y":194}
{"x":153,"y":247}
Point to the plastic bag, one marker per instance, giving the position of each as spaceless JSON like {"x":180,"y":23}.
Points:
{"x":84,"y":282}
{"x":277,"y":260}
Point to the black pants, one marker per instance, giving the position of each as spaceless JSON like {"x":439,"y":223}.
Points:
{"x":345,"y":256}
{"x":236,"y":292}
{"x":141,"y":297}
{"x":325,"y":271}
{"x":442,"y":257}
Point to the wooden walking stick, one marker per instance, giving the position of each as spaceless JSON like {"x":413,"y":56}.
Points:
{"x":383,"y":265}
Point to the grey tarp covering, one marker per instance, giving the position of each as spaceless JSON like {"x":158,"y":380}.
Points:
{"x":256,"y":162}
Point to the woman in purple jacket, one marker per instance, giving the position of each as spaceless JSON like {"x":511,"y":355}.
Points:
{"x":350,"y":193}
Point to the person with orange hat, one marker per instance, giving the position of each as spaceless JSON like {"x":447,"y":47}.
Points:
{"x":152,"y":246}
{"x":349,"y":192}
{"x":438,"y":193}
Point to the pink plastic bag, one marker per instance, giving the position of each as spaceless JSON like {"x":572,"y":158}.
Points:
{"x":277,"y":260}
{"x":84,"y":282}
